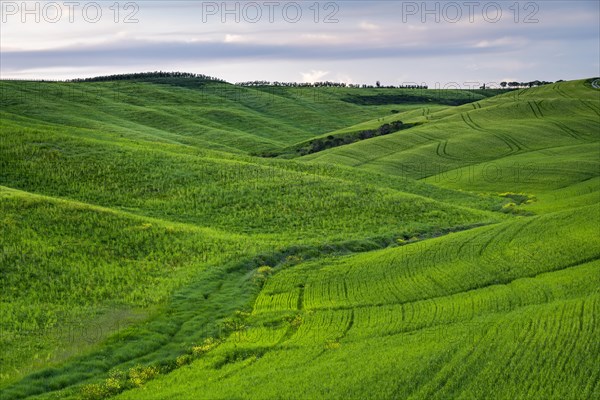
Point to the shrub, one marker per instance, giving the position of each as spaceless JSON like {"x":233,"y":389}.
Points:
{"x":208,"y":344}
{"x":297,"y":321}
{"x":508,"y":208}
{"x":94,"y":391}
{"x":519,"y":198}
{"x":139,"y":374}
{"x":113,"y":384}
{"x":265,"y":270}
{"x":261,"y":275}
{"x":184,"y":359}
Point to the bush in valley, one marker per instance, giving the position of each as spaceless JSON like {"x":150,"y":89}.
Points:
{"x":519,"y":198}
{"x":331,"y":141}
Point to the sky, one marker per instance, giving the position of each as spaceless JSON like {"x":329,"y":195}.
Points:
{"x":438,"y":43}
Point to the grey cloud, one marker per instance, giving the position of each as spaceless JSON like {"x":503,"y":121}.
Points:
{"x":136,"y":52}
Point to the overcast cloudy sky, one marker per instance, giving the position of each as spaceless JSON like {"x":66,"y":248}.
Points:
{"x":351,"y":41}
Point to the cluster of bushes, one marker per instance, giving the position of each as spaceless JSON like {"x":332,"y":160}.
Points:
{"x":320,"y":144}
{"x":329,"y":142}
{"x":516,"y":200}
{"x":438,"y":97}
{"x":519,"y":198}
{"x":120,"y":380}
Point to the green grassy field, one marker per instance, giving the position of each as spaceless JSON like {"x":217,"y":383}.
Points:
{"x":147,"y":253}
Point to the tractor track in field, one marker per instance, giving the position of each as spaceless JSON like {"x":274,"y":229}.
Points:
{"x":300,"y":304}
{"x":337,"y":339}
{"x":443,"y":153}
{"x":561,"y":92}
{"x":520,"y":229}
{"x":473,"y":163}
{"x":487,"y":243}
{"x":345,"y":288}
{"x":392,"y":284}
{"x":464,"y":243}
{"x":441,"y":147}
{"x":539,"y":106}
{"x":349,"y":326}
{"x":412,"y":302}
{"x":289,"y":333}
{"x":470,"y":123}
{"x":570,"y":132}
{"x":532,"y":109}
{"x":510,"y":142}
{"x":515,"y":146}
{"x":585,"y":104}
{"x":537,"y":111}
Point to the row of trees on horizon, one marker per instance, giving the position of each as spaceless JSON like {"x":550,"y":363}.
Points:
{"x":327,"y":84}
{"x":378,"y":85}
{"x":263,"y":83}
{"x":520,"y":85}
{"x":148,"y":75}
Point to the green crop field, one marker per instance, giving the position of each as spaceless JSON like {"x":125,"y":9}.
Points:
{"x":173,"y":238}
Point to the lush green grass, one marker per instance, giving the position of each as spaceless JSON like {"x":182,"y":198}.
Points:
{"x":146,"y":254}
{"x":214,"y":115}
{"x":485,"y":309}
{"x":67,"y":264}
{"x":232,"y":195}
{"x":479,"y":134}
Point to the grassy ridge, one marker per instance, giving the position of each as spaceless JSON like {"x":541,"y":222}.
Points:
{"x":439,"y":267}
{"x":236,"y":195}
{"x":67,"y":266}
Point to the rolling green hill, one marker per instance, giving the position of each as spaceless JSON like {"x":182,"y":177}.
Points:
{"x":147,"y":254}
{"x":208,"y":115}
{"x":470,"y":144}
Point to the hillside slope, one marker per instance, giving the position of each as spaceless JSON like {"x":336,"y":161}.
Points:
{"x":146,"y":254}
{"x":477,"y":145}
{"x":208,"y":115}
{"x":479,"y":314}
